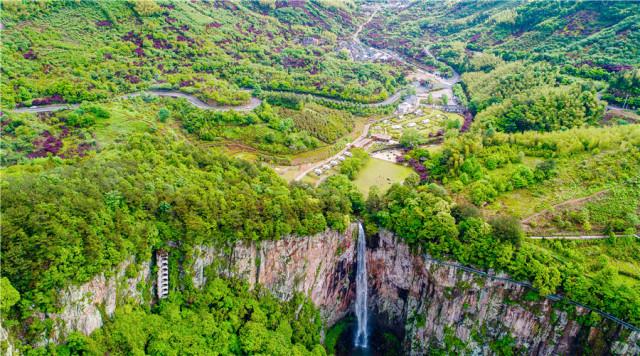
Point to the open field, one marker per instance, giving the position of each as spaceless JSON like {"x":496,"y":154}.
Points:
{"x":381,"y":173}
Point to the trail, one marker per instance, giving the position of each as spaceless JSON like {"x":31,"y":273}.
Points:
{"x":252,"y":104}
{"x":567,"y":202}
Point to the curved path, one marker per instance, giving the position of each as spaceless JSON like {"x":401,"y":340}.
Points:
{"x":252,"y":104}
{"x":565,"y":203}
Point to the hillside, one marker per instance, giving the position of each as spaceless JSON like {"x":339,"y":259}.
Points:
{"x":319,"y":177}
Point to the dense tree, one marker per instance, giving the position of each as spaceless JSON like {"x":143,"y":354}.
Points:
{"x":507,"y":229}
{"x":224,"y":318}
{"x":411,"y":138}
{"x":141,"y":194}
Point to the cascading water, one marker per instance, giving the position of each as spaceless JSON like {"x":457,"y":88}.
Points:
{"x":361,"y":339}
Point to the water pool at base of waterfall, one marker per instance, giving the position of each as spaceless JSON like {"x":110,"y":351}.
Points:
{"x":382,"y":340}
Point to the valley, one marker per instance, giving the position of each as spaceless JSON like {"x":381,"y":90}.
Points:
{"x":318,"y":177}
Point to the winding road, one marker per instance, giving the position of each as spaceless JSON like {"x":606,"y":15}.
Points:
{"x":252,"y":104}
{"x":420,"y":72}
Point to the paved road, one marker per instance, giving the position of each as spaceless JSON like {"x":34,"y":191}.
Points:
{"x":252,"y":104}
{"x":577,"y":237}
{"x":46,"y":108}
{"x":357,"y":142}
{"x":362,"y":139}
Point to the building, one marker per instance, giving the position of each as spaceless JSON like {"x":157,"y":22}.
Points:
{"x":381,"y":137}
{"x":348,"y":154}
{"x":411,"y":124}
{"x":334,"y":163}
{"x":317,"y":171}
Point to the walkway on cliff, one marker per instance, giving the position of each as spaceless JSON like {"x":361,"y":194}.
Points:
{"x":579,"y":237}
{"x":552,"y":297}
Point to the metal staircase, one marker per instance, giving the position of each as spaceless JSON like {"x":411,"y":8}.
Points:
{"x":162,"y":260}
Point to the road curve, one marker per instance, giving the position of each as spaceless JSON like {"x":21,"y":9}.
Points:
{"x":252,"y":104}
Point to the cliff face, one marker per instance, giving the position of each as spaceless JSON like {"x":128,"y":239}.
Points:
{"x":434,"y":306}
{"x":439,"y":306}
{"x":83,"y":307}
{"x":319,"y":266}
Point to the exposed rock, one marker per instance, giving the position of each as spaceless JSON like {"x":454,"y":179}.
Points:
{"x":433,"y":304}
{"x":82,"y":306}
{"x":320,"y":266}
{"x":6,"y":343}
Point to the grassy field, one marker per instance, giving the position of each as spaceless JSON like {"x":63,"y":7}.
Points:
{"x":380,"y":173}
{"x":620,"y":253}
{"x":566,"y":186}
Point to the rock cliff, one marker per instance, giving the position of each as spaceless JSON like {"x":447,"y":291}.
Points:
{"x":320,"y":266}
{"x":440,"y":306}
{"x":431,"y":305}
{"x":83,"y":307}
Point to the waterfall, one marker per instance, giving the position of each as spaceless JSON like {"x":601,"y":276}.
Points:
{"x":361,"y":290}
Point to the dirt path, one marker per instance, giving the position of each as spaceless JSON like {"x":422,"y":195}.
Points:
{"x":565,"y":203}
{"x":373,"y":14}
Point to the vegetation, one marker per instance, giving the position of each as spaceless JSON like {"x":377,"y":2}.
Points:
{"x":63,"y":223}
{"x":117,"y":176}
{"x":380,"y":174}
{"x":352,"y":165}
{"x":428,"y":219}
{"x":223,"y":318}
{"x":212,"y":51}
{"x":475,"y":36}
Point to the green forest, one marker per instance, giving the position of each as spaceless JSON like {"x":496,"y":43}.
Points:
{"x":132,"y":126}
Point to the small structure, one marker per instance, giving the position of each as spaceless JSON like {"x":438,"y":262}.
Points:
{"x":310,"y":41}
{"x":347,"y":153}
{"x":425,"y":121}
{"x":341,"y":158}
{"x":396,"y":127}
{"x":317,"y":171}
{"x":381,"y":137}
{"x":385,"y":121}
{"x":162,"y":261}
{"x":334,"y":163}
{"x":411,"y":124}
{"x":326,"y":167}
